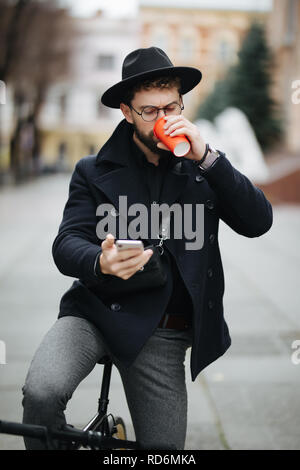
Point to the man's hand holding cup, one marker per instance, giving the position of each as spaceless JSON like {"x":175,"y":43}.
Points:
{"x":175,"y":126}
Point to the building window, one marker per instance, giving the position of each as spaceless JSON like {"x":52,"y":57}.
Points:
{"x":105,"y":61}
{"x":186,"y":49}
{"x":291,"y":22}
{"x":160,"y":39}
{"x":225,"y":52}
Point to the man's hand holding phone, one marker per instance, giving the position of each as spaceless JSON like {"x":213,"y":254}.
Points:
{"x":122,"y":262}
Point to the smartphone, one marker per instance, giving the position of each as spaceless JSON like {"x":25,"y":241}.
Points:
{"x":125,"y":244}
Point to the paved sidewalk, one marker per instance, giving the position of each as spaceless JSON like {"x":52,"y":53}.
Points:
{"x":248,"y":399}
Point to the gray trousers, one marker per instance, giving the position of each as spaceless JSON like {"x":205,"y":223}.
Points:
{"x":154,"y":384}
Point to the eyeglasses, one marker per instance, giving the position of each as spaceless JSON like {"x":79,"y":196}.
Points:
{"x":150,"y":113}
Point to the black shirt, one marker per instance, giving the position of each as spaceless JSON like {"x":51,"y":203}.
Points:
{"x":153,"y":177}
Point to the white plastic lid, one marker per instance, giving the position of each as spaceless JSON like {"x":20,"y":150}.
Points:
{"x":182,"y":149}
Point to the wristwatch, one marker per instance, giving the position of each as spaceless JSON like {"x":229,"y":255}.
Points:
{"x":210,"y":155}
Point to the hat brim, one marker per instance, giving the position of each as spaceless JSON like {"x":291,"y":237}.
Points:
{"x":190,"y":77}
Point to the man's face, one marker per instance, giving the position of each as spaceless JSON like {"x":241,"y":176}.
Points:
{"x":144,"y":130}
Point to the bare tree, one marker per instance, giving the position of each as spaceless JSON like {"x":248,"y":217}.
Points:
{"x":36,"y":51}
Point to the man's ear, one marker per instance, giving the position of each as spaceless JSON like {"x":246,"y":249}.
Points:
{"x":127,"y":112}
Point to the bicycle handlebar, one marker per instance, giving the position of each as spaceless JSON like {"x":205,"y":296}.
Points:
{"x":93,"y":439}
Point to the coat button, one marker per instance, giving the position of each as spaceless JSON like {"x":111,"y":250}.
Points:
{"x":115,"y":307}
{"x":211,"y":238}
{"x":211,"y":304}
{"x":209,"y":204}
{"x":210,"y":272}
{"x":199,"y":178}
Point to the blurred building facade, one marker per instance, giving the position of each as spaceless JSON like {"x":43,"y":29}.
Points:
{"x":73,"y":121}
{"x":199,"y":34}
{"x":284,"y":37}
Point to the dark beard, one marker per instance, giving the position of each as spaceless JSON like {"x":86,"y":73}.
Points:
{"x":148,"y":141}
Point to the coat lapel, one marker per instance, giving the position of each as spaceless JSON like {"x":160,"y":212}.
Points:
{"x":117,"y":174}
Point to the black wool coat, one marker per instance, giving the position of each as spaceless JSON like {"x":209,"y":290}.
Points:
{"x":127,"y":321}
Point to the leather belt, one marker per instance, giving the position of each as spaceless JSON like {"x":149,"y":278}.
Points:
{"x":176,"y":322}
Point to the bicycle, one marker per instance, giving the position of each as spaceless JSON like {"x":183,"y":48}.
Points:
{"x":104,"y":431}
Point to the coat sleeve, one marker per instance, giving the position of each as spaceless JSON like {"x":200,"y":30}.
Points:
{"x":76,"y":248}
{"x":242,"y":205}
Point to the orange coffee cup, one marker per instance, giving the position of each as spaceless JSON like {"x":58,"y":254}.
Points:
{"x":178,"y":144}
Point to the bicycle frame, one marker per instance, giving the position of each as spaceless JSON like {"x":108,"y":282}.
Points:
{"x":98,"y":422}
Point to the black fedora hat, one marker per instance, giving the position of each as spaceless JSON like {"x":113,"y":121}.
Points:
{"x":149,"y":63}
